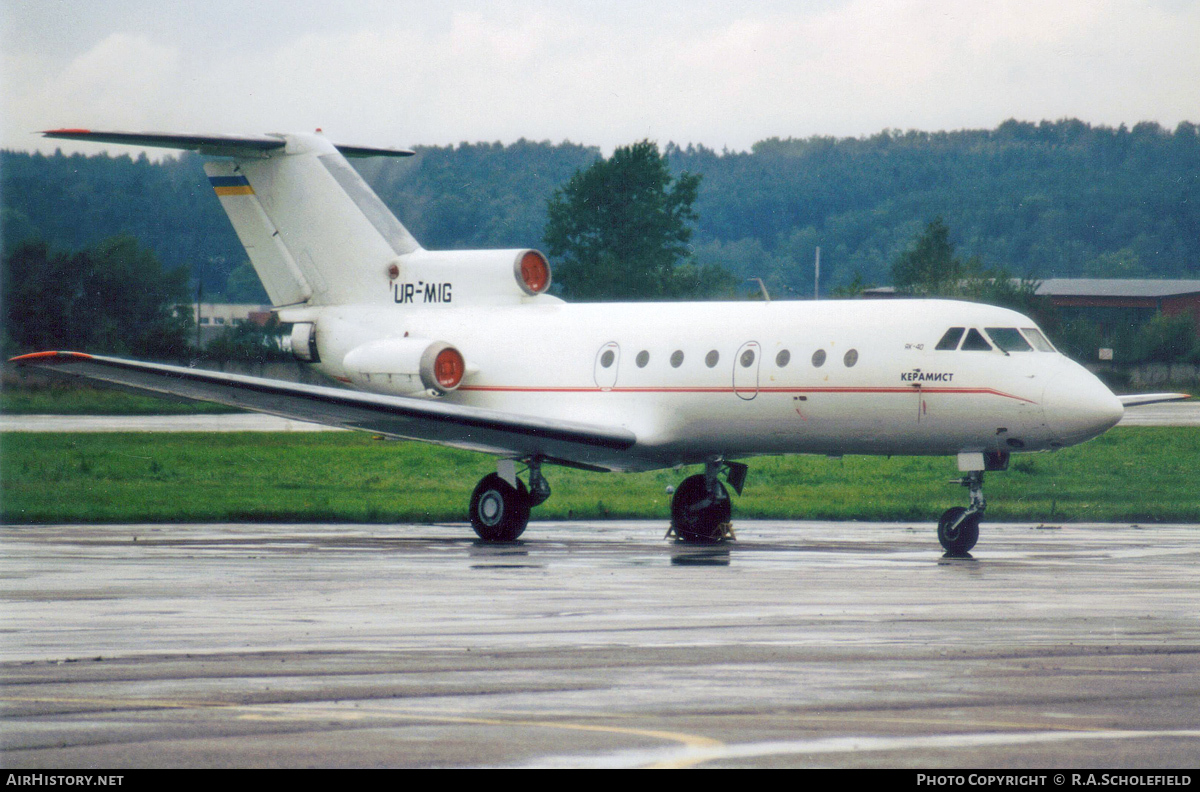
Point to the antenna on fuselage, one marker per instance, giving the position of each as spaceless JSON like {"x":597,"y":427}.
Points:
{"x":817,"y":276}
{"x":762,"y":286}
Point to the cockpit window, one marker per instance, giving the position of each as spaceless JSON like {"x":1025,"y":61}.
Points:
{"x":1039,"y":341}
{"x":951,"y":338}
{"x":1009,"y":339}
{"x":975,"y":342}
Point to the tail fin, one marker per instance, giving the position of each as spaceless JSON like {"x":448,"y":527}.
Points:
{"x":314,"y":230}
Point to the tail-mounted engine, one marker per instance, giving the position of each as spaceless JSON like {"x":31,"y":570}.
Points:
{"x":406,"y":366}
{"x":467,"y":277}
{"x":303,"y":342}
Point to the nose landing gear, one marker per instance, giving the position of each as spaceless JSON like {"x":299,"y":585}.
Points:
{"x":958,"y":529}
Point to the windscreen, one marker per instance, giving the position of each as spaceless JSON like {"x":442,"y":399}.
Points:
{"x":975,"y":342}
{"x":1009,"y":339}
{"x":951,"y":338}
{"x":1039,"y":341}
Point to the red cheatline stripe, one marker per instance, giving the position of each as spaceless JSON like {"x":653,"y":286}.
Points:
{"x":524,"y":389}
{"x":527,"y":389}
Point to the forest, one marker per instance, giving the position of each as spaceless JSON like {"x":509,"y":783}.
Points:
{"x":1050,"y":199}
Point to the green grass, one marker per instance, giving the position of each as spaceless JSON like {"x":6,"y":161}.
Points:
{"x":1130,"y":474}
{"x":41,"y":397}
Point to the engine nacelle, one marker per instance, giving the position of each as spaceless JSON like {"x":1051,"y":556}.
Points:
{"x":406,"y":365}
{"x":467,"y":277}
{"x":303,"y":342}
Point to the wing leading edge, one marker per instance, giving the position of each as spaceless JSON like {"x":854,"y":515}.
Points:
{"x":576,"y":444}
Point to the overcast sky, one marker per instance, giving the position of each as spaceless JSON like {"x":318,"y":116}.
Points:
{"x":603,"y":73}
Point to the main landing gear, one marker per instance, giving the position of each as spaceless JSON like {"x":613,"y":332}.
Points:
{"x":501,"y":502}
{"x":958,"y":528}
{"x":700,"y":509}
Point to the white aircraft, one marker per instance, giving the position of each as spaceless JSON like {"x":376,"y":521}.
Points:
{"x":467,"y":349}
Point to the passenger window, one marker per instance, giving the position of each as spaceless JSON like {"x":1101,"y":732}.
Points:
{"x":850,"y":358}
{"x":748,"y":358}
{"x":711,"y":358}
{"x":1009,"y":339}
{"x":976,"y":342}
{"x":677,"y":358}
{"x":607,"y":358}
{"x":783,"y":358}
{"x":1040,"y":342}
{"x":818,"y":359}
{"x":951,"y":338}
{"x":642,"y":359}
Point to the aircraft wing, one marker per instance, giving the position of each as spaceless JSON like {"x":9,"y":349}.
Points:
{"x":563,"y":442}
{"x":1138,"y":399}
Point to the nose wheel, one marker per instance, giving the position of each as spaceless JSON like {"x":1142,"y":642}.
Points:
{"x":958,"y":531}
{"x":958,"y":528}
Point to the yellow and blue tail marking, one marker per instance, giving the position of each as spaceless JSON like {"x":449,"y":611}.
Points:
{"x":231,"y":185}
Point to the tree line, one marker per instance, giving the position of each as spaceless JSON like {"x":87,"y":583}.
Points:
{"x":112,"y":297}
{"x":645,"y":224}
{"x":1049,"y":199}
{"x":117,"y":298}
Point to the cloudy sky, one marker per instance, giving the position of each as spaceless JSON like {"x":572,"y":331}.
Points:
{"x":603,"y":73}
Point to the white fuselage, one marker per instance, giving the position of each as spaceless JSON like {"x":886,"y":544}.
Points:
{"x":834,"y":377}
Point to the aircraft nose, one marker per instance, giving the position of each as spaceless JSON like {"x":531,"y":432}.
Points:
{"x":1077,"y":407}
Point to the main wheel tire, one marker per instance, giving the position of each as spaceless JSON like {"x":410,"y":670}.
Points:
{"x":695,"y":523}
{"x":958,"y":540}
{"x":499,"y":511}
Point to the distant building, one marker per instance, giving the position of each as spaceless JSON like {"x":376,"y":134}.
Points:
{"x":1118,"y":303}
{"x":1114,"y":304}
{"x":213,"y":319}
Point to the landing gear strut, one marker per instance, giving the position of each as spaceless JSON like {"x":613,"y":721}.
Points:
{"x":501,"y":502}
{"x":958,"y":529}
{"x":539,"y":488}
{"x":700,"y":510}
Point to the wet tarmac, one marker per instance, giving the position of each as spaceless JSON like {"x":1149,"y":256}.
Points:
{"x":599,"y":645}
{"x":1166,"y":414}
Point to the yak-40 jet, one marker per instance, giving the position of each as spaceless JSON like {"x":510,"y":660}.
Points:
{"x":468,"y":349}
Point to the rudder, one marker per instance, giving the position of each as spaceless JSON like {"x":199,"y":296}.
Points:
{"x":283,"y":280}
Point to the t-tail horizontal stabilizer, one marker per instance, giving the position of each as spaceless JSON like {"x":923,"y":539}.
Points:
{"x":218,"y":145}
